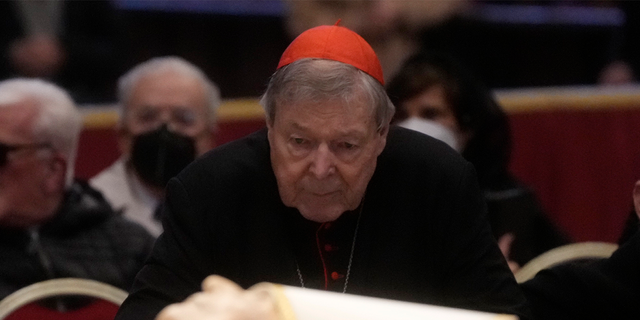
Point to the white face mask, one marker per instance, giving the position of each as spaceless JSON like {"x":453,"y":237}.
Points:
{"x":433,"y":129}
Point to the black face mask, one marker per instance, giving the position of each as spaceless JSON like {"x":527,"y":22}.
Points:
{"x":159,"y":155}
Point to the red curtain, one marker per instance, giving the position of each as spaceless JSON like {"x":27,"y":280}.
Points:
{"x":98,"y":310}
{"x":582,"y":163}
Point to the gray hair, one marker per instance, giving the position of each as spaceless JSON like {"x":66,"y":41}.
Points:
{"x":313,"y":79}
{"x":129,"y":80}
{"x":58,"y":122}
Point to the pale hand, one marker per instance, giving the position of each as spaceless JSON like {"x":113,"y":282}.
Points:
{"x":505,"y":243}
{"x":222,"y":299}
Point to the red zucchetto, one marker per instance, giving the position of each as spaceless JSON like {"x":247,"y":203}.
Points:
{"x":334,"y":43}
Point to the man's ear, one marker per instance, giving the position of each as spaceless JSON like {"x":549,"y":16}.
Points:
{"x":383,"y":132}
{"x":636,"y":198}
{"x":269,"y":123}
{"x":205,"y":141}
{"x":270,"y":131}
{"x":124,"y":139}
{"x":56,"y":174}
{"x":213,"y":132}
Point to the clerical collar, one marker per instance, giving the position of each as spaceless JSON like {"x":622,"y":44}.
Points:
{"x":323,"y":251}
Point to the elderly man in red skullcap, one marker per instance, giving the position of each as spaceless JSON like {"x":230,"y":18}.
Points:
{"x":329,"y":197}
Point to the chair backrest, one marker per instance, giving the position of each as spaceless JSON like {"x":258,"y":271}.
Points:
{"x":563,"y":254}
{"x":104,"y":300}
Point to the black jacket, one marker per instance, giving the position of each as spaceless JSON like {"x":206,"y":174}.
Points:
{"x":515,"y":209}
{"x":423,"y":234}
{"x":600,"y":289}
{"x":85,"y":239}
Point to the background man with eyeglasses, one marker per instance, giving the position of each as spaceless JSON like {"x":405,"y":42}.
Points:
{"x":50,"y":225}
{"x":167,"y":118}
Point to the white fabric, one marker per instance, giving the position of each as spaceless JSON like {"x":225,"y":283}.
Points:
{"x":125,"y":192}
{"x":433,"y":129}
{"x":309,"y":304}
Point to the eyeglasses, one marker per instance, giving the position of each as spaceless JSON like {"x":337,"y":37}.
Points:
{"x":6,"y":148}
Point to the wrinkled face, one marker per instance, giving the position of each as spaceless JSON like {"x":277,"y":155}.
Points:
{"x":323,"y":155}
{"x":23,"y":190}
{"x":172,"y":98}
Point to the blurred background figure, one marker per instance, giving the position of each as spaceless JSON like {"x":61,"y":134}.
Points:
{"x":167,"y":118}
{"x":625,"y":50}
{"x":72,"y":43}
{"x":50,"y":225}
{"x":439,"y":93}
{"x":391,"y":27}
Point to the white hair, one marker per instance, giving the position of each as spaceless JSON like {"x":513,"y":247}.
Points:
{"x":311,"y":79}
{"x":159,"y":65}
{"x":58,"y":121}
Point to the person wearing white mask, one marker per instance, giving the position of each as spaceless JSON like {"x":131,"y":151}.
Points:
{"x":435,"y":95}
{"x":433,"y":129}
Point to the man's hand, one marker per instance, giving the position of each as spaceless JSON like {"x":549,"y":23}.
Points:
{"x":505,"y":242}
{"x":222,"y":299}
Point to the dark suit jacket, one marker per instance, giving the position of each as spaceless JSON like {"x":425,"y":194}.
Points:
{"x":85,"y":239}
{"x":423,"y":233}
{"x":602,"y":289}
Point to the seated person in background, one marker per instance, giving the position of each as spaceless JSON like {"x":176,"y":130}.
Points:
{"x":67,"y":42}
{"x":168,"y":109}
{"x":329,"y":197}
{"x":599,"y":289}
{"x":436,"y":96}
{"x":51,"y":226}
{"x":393,"y":28}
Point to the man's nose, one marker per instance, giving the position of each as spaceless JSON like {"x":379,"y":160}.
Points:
{"x":165,"y":118}
{"x":323,"y":162}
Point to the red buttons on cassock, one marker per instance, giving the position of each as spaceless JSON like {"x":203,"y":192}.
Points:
{"x":336,"y":276}
{"x":329,"y":248}
{"x":327,"y":225}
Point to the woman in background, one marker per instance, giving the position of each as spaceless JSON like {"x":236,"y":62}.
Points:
{"x":434,"y":95}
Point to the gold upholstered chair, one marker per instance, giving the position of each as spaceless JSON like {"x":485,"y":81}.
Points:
{"x":65,"y":298}
{"x":574,"y":252}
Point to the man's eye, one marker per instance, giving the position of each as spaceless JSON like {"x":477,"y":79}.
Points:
{"x":299,"y":145}
{"x":430,"y":114}
{"x":299,"y":141}
{"x":184,"y":117}
{"x":147,"y":115}
{"x":348,"y":145}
